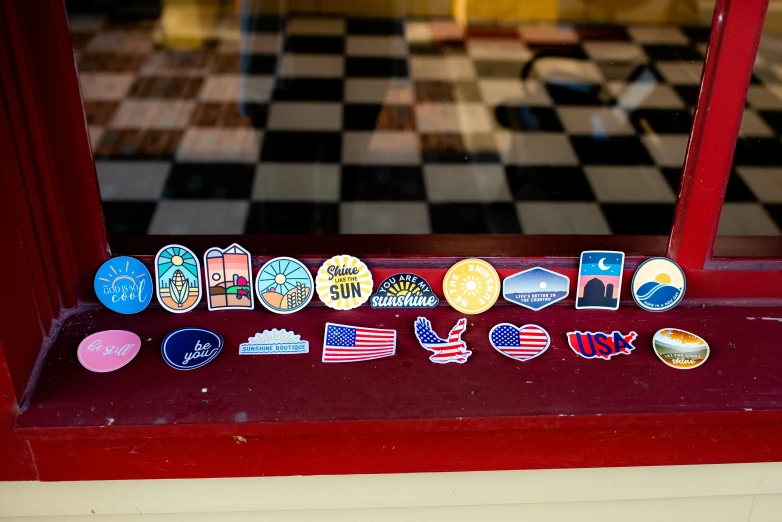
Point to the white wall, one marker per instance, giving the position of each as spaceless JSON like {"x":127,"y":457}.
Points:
{"x":725,"y":493}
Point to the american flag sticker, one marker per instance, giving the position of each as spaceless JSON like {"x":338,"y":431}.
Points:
{"x":519,"y":342}
{"x":343,"y":343}
{"x":444,"y":350}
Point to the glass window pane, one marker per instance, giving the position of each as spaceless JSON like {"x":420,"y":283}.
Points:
{"x":753,"y":200}
{"x":433,"y":117}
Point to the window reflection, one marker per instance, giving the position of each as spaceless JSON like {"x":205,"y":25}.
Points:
{"x":224,"y":118}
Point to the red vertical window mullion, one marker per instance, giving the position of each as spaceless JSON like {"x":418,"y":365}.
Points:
{"x":735,"y":34}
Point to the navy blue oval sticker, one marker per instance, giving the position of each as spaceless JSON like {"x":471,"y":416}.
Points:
{"x":191,"y":348}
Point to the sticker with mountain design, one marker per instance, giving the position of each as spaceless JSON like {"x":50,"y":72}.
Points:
{"x":658,"y":284}
{"x":404,"y":291}
{"x":679,"y":349}
{"x":178,"y":278}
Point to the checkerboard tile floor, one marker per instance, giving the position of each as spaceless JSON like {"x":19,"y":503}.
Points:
{"x":344,"y":125}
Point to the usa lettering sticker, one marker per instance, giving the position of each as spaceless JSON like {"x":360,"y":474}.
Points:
{"x":679,"y":349}
{"x":123,"y":284}
{"x":343,"y":343}
{"x":343,"y":283}
{"x":109,"y":350}
{"x":228,"y":275}
{"x":658,"y":284}
{"x":535,"y":288}
{"x":600,"y":279}
{"x":404,"y":291}
{"x":519,"y":342}
{"x":471,"y":286}
{"x":274,"y":341}
{"x":444,"y":350}
{"x":191,"y":348}
{"x":599,"y":345}
{"x":178,"y":279}
{"x":284,"y":285}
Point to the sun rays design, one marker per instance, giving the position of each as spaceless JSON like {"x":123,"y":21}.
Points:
{"x":324,"y":285}
{"x":113,"y":275}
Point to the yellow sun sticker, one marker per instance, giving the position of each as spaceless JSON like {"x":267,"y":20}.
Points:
{"x":471,"y":286}
{"x":343,"y":282}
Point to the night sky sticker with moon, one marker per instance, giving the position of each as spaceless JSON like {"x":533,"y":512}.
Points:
{"x":343,"y":283}
{"x":471,"y":286}
{"x":284,"y":285}
{"x":600,"y":279}
{"x":178,"y":279}
{"x":658,"y":284}
{"x":123,"y":284}
{"x":404,"y":291}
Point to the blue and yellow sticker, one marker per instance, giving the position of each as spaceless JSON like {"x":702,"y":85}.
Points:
{"x":658,"y":284}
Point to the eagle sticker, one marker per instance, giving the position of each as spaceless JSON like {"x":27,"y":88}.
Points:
{"x":444,"y":351}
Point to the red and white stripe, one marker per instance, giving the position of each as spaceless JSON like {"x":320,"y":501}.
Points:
{"x":454,"y":346}
{"x":533,"y":339}
{"x":371,"y":343}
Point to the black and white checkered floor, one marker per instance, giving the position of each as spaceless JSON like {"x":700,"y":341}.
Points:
{"x":342,"y":125}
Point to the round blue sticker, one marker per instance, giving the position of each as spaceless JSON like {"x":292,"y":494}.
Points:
{"x":191,"y":348}
{"x":123,"y":284}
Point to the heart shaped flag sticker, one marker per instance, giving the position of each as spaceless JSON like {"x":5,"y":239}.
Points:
{"x":519,"y":342}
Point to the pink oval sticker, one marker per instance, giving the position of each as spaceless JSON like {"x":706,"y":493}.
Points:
{"x":108,"y":350}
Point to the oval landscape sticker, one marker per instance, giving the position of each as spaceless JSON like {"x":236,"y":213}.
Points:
{"x":679,"y":349}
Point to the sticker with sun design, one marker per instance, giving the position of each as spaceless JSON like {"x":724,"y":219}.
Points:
{"x":284,"y":285}
{"x":471,"y":286}
{"x":123,"y":284}
{"x":343,"y":283}
{"x":404,"y":291}
{"x":178,"y":279}
{"x":658,"y":284}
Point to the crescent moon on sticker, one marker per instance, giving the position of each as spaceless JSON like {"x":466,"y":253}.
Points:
{"x":602,"y":265}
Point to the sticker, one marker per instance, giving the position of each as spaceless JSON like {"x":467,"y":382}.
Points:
{"x":191,"y":348}
{"x":521,"y":343}
{"x":178,"y":279}
{"x":228,"y":273}
{"x":471,"y":286}
{"x":343,"y":283}
{"x":658,"y":284}
{"x":679,"y":349}
{"x":535,"y":288}
{"x":404,"y":291}
{"x":601,"y":345}
{"x":343,"y":343}
{"x":274,"y":341}
{"x":599,"y":279}
{"x":108,"y":350}
{"x":445,"y":351}
{"x":284,"y":285}
{"x":123,"y":284}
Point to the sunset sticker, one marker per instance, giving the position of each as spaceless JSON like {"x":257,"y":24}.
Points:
{"x":679,"y":349}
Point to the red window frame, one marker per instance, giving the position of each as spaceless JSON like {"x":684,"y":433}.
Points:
{"x":53,"y":229}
